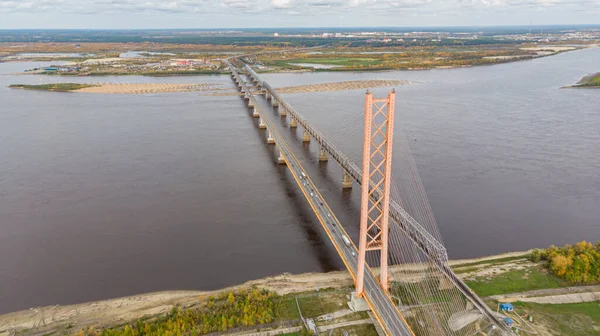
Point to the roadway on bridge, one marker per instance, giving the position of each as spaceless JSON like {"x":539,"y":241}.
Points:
{"x":387,"y":313}
{"x":422,"y":239}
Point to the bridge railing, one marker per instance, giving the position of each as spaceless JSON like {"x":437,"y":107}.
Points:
{"x":415,"y":231}
{"x":418,"y":234}
{"x":378,"y":307}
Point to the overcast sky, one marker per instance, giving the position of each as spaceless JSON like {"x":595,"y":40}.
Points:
{"x":291,"y":13}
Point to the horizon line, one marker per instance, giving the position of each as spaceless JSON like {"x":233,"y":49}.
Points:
{"x":594,"y":25}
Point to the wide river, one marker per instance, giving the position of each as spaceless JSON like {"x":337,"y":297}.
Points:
{"x":110,"y":195}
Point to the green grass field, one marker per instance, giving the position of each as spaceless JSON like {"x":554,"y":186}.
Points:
{"x":595,"y":80}
{"x":591,"y":80}
{"x":357,"y":330}
{"x":493,"y":261}
{"x":515,"y":281}
{"x":573,"y":319}
{"x":311,"y":304}
{"x":341,"y":61}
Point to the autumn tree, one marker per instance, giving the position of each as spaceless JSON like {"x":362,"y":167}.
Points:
{"x":578,"y":264}
{"x":559,"y":264}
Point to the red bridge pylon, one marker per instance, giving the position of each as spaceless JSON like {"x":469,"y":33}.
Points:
{"x":376,"y":178}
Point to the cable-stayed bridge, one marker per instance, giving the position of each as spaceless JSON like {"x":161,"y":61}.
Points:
{"x":400,"y":266}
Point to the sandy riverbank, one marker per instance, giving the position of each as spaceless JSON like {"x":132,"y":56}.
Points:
{"x":343,"y":86}
{"x":120,"y":310}
{"x":142,"y":88}
{"x":210,"y":89}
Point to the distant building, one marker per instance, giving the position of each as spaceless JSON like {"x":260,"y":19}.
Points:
{"x":509,"y":322}
{"x":507,"y":307}
{"x":275,"y":34}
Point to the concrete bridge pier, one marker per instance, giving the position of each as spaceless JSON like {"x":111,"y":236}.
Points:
{"x":322,"y":155}
{"x":268,"y":95}
{"x":246,"y":96}
{"x":282,"y":111}
{"x":270,"y":139}
{"x":305,"y":136}
{"x":293,"y":123}
{"x":346,"y":182}
{"x":261,"y":124}
{"x":275,"y":103}
{"x":250,"y":103}
{"x":255,"y":113}
{"x":280,"y":159}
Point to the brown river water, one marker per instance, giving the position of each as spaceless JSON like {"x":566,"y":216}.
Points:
{"x":110,"y":195}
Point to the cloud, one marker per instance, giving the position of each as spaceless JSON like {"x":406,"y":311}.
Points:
{"x":105,"y":6}
{"x":525,"y":3}
{"x":281,"y":3}
{"x":297,"y":8}
{"x":237,"y":4}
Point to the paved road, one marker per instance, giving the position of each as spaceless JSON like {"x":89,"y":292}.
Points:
{"x":382,"y":305}
{"x":429,"y":245}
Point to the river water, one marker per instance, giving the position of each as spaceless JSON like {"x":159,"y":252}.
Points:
{"x":110,"y":195}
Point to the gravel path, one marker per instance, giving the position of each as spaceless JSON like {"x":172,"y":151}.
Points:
{"x":554,"y":295}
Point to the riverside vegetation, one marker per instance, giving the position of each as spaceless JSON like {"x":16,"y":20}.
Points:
{"x":590,"y":81}
{"x":232,"y":311}
{"x":270,"y":304}
{"x":550,"y":268}
{"x":254,"y":309}
{"x":577,"y":264}
{"x":227,"y":311}
{"x":60,"y":87}
{"x":399,"y":58}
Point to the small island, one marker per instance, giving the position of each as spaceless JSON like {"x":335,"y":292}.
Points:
{"x":58,"y":87}
{"x":589,"y":81}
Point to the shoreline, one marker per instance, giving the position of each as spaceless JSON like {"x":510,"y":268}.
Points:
{"x":559,"y":50}
{"x":123,"y":309}
{"x":204,"y":88}
{"x":591,"y":81}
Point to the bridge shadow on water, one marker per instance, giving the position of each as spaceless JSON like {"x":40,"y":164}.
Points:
{"x":344,"y":202}
{"x":320,"y":246}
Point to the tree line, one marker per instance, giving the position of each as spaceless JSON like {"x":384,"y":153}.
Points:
{"x":578,"y":264}
{"x":226,"y":311}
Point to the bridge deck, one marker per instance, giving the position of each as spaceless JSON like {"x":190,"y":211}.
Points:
{"x":386,"y":312}
{"x":399,"y":217}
